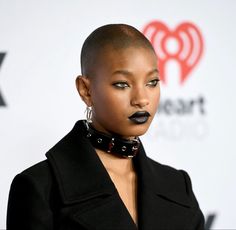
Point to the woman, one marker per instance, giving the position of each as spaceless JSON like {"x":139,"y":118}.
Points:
{"x":98,"y":176}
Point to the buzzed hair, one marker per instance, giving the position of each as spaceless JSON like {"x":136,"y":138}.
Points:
{"x":116,"y":36}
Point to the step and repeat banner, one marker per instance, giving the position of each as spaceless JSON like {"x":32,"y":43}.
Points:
{"x":194,"y":128}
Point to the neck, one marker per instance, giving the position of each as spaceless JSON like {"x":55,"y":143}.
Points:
{"x":115,"y":164}
{"x":111,"y":143}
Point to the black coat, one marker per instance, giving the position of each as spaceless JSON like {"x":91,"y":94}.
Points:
{"x":72,"y":190}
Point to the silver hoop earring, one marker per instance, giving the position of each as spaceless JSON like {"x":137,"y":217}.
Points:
{"x":88,"y":112}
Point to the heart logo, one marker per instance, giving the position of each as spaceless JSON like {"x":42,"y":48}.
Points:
{"x":184,"y":45}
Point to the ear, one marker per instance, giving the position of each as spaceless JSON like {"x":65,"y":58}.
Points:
{"x":83,"y":88}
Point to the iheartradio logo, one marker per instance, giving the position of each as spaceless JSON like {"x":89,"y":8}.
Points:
{"x":183,"y":44}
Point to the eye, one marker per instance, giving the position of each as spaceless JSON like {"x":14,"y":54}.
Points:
{"x":153,"y":82}
{"x":121,"y":85}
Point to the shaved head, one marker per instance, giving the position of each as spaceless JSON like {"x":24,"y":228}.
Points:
{"x":112,"y":36}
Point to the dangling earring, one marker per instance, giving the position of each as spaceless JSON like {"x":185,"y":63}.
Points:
{"x":88,"y":112}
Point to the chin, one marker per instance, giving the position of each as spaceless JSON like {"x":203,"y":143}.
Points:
{"x":137,"y":130}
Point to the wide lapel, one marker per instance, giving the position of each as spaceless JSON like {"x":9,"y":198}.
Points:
{"x":86,"y":190}
{"x":157,"y":198}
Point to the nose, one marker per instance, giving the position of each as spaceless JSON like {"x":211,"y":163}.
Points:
{"x":139,"y":98}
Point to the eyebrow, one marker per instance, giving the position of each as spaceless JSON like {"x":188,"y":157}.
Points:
{"x":154,"y":71}
{"x":128,"y":73}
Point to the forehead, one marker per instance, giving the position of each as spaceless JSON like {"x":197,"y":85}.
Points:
{"x":128,"y":56}
{"x":131,"y":62}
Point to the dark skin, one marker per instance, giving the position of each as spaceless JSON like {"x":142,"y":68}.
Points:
{"x":124,"y":82}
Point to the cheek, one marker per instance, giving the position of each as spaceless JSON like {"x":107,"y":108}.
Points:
{"x":158,"y":98}
{"x":110,"y":101}
{"x":155,"y":99}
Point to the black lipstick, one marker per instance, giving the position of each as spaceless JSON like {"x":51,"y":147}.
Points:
{"x":140,"y":117}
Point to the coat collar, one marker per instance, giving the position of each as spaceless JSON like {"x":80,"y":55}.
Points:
{"x":161,"y":180}
{"x":79,"y":171}
{"x":82,"y":178}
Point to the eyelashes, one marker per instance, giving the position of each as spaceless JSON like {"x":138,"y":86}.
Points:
{"x":123,"y":84}
{"x":153,"y":82}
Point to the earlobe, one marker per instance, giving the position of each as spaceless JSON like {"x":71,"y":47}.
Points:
{"x":83,"y":88}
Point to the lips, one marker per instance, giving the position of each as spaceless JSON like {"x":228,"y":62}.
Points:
{"x":140,"y":117}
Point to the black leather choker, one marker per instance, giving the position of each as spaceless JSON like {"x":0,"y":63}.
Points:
{"x":111,"y":144}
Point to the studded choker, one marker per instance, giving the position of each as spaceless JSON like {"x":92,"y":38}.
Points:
{"x":112,"y":144}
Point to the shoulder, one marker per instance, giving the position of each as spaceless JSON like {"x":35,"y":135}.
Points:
{"x":176,"y":183}
{"x":41,"y":172}
{"x":169,"y":172}
{"x":37,"y":179}
{"x":174,"y":186}
{"x":32,"y":198}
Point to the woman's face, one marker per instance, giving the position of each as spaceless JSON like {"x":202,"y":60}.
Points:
{"x":125,"y":82}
